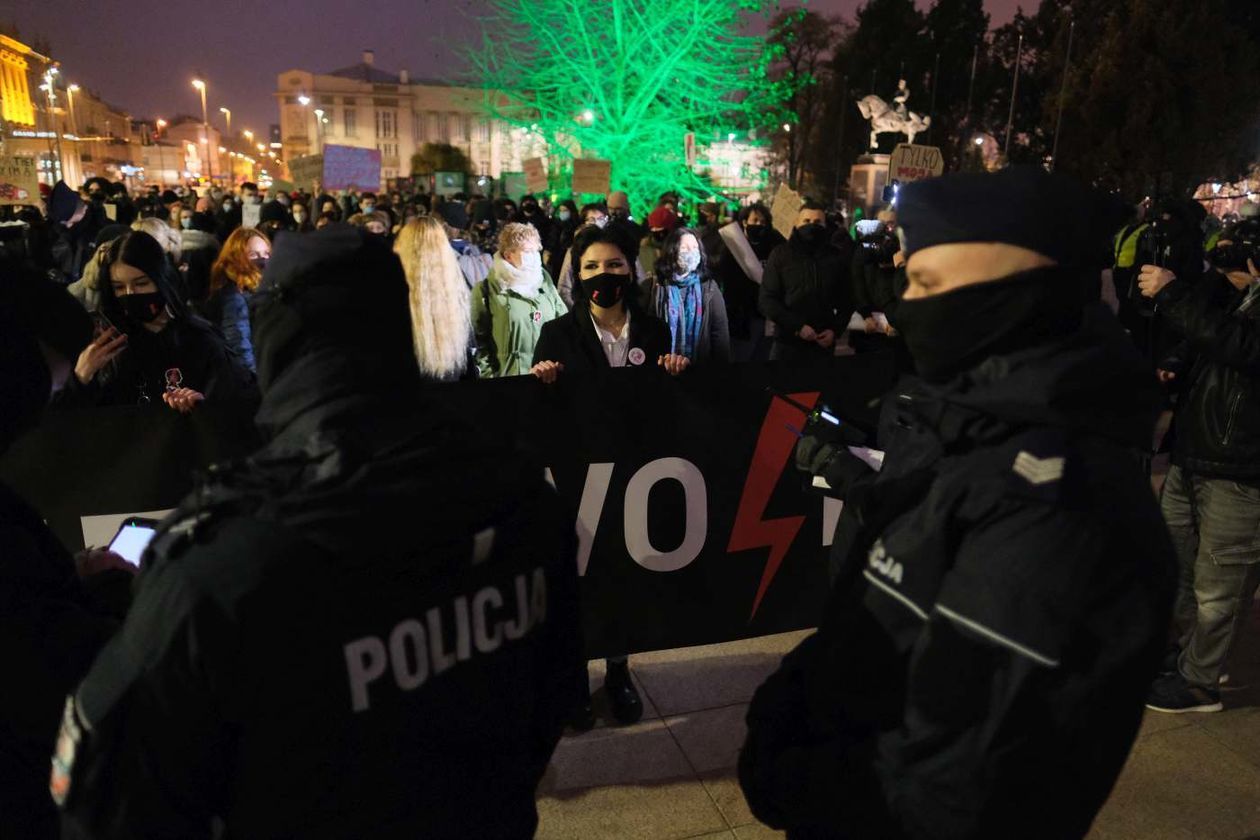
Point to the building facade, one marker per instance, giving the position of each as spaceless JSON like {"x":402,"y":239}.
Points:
{"x":365,"y":106}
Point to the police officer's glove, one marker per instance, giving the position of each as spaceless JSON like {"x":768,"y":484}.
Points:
{"x":813,"y":454}
{"x":833,"y":462}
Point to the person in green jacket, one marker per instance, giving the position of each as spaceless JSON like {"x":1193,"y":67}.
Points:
{"x":511,"y":305}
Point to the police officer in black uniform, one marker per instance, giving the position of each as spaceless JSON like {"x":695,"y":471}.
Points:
{"x":368,"y":629}
{"x":1002,"y":604}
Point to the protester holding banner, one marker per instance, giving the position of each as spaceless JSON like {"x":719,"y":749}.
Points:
{"x":235,"y":275}
{"x":990,"y":638}
{"x":56,"y":611}
{"x":152,"y":349}
{"x":511,"y":306}
{"x":605,"y":329}
{"x":440,"y":327}
{"x":280,"y":672}
{"x":686,"y":298}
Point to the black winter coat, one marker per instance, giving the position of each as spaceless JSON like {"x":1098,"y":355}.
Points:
{"x":1217,"y":425}
{"x":806,"y":286}
{"x":189,"y":353}
{"x":572,"y":341}
{"x":998,"y":616}
{"x":51,"y":628}
{"x":372,"y":622}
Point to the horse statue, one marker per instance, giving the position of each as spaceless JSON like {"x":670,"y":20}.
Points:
{"x":886,"y":119}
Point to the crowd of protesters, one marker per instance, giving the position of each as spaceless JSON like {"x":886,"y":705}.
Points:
{"x":182,"y":298}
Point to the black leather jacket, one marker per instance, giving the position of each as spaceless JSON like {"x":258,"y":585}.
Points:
{"x":1217,"y":425}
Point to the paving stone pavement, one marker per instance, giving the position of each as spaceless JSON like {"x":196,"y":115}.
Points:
{"x":672,"y":776}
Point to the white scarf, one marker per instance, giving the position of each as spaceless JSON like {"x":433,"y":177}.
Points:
{"x":524,"y":283}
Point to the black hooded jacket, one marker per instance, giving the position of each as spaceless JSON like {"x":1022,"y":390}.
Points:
{"x":1000,"y":610}
{"x":368,"y":628}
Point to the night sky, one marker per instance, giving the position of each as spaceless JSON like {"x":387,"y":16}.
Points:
{"x":141,"y":56}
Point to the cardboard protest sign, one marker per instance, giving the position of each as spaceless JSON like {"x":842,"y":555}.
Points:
{"x":592,"y":176}
{"x":19,"y":180}
{"x":536,"y":175}
{"x":306,"y":170}
{"x":787,"y":203}
{"x":914,"y":163}
{"x":349,"y":167}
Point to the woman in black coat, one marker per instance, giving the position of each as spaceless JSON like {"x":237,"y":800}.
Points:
{"x":152,"y":350}
{"x":606,"y":328}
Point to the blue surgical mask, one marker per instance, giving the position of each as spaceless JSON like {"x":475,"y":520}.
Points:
{"x":564,"y":215}
{"x":531,"y":261}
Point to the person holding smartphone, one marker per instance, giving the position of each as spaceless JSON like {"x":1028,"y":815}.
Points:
{"x":151,"y":350}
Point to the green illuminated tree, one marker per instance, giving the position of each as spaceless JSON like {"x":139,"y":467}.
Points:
{"x":626,"y":80}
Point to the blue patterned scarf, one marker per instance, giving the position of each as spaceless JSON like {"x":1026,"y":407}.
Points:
{"x":680,"y":303}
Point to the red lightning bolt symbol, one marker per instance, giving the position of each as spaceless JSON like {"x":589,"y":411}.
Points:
{"x":774,"y":447}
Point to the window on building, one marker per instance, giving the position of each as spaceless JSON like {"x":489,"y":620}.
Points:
{"x":483,"y":130}
{"x":386,"y":124}
{"x":349,"y":121}
{"x":465,"y":128}
{"x":443,"y":128}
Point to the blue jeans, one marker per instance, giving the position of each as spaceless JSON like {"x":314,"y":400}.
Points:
{"x":1215,"y":527}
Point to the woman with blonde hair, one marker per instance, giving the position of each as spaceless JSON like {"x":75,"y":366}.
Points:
{"x":511,"y":305}
{"x":440,"y":327}
{"x":233,"y":278}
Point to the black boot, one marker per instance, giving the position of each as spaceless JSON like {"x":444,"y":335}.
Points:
{"x":622,"y":695}
{"x":582,"y":718}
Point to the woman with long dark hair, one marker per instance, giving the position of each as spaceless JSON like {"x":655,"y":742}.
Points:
{"x":151,"y":348}
{"x":686,"y":298}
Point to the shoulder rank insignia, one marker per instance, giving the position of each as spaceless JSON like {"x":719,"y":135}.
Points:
{"x":1037,"y":471}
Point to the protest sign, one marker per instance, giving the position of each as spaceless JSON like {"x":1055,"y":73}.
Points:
{"x":591,"y":176}
{"x":350,"y":167}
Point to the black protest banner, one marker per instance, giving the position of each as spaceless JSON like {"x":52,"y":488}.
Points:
{"x":693,"y":527}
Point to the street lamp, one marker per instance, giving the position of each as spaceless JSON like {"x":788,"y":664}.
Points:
{"x":71,"y":90}
{"x":205,"y":126}
{"x":319,"y":129}
{"x":50,"y":88}
{"x":227,"y":112}
{"x":249,"y":135}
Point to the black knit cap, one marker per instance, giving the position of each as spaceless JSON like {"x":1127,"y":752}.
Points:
{"x":1054,"y":215}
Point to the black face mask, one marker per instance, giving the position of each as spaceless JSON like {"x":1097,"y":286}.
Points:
{"x":755,"y":233}
{"x":605,"y":289}
{"x":809,"y":235}
{"x":259,"y":263}
{"x":951,"y":333}
{"x":659,"y":235}
{"x":142,"y":308}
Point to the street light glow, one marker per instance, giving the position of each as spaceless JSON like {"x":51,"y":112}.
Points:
{"x":304,"y":100}
{"x":199,"y":84}
{"x":73,"y":88}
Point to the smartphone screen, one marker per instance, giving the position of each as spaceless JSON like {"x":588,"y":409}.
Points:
{"x":132,"y":539}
